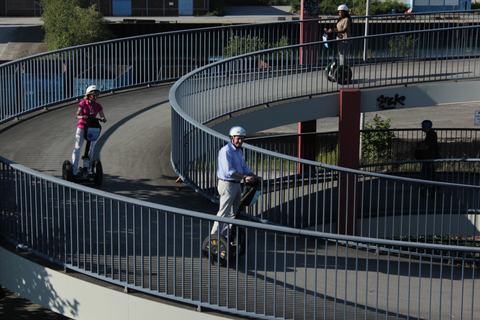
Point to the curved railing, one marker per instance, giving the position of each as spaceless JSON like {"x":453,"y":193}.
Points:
{"x":393,"y":145}
{"x":44,"y":79}
{"x":213,"y":93}
{"x":310,"y":195}
{"x":308,"y":271}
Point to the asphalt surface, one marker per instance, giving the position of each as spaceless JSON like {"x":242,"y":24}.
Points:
{"x":135,"y":142}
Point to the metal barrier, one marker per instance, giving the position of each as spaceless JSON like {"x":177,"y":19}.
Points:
{"x":305,"y":194}
{"x":48,"y":78}
{"x":393,"y":267}
{"x":399,"y":144}
{"x":286,"y":273}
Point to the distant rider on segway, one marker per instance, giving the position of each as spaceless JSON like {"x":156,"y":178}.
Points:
{"x":342,"y":31}
{"x":87,"y":109}
{"x":338,"y":70}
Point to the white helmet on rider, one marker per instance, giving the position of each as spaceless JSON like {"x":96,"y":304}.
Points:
{"x":342,"y":7}
{"x":237,"y":131}
{"x":92,"y":90}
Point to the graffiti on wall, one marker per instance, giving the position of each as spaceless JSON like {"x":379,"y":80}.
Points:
{"x":385,"y":102}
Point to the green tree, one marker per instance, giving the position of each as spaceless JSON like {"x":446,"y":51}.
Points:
{"x":377,"y":141}
{"x":238,"y":45}
{"x":72,"y":22}
{"x":403,"y":46}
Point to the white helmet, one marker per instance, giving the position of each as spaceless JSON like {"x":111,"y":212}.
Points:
{"x":342,"y":7}
{"x":92,"y":89}
{"x":237,"y":131}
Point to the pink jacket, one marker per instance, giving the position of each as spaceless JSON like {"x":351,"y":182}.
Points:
{"x":88,"y":111}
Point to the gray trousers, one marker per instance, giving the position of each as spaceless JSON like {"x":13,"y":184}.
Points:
{"x":230,"y":197}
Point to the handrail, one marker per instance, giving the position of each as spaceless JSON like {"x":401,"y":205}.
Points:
{"x":47,"y":78}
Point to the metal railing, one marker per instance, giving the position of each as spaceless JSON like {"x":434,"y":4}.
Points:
{"x":286,"y":273}
{"x":310,"y":195}
{"x":399,"y":144}
{"x":48,"y":78}
{"x":415,"y":250}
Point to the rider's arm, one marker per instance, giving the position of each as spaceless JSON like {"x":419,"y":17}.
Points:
{"x":79,"y":114}
{"x":102,"y":116}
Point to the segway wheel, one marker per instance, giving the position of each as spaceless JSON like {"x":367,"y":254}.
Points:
{"x":329,"y":72}
{"x":97,"y":172}
{"x":215,"y":248}
{"x":67,"y":171}
{"x":343,"y":74}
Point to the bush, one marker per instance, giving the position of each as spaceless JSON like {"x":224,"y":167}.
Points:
{"x":403,"y":46}
{"x":377,"y":144}
{"x":216,"y":8}
{"x":295,"y":4}
{"x":330,"y":7}
{"x":71,"y":23}
{"x":239,"y":45}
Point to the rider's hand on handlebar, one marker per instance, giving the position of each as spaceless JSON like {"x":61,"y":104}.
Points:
{"x":103,"y":119}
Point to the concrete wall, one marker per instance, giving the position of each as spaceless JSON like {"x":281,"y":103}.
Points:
{"x":80,"y":299}
{"x":374,"y":100}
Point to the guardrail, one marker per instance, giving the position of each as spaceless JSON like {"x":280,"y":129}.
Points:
{"x":399,"y":144}
{"x":286,"y":272}
{"x":305,"y":194}
{"x":52,"y":77}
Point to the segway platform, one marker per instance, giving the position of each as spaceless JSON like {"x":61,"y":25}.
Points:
{"x":217,"y":247}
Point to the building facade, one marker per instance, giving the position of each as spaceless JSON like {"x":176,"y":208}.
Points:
{"x":137,"y":8}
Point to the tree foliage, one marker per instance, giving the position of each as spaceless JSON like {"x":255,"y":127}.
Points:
{"x":379,"y":7}
{"x":72,"y":22}
{"x":238,"y":45}
{"x":403,"y":46}
{"x":377,"y":143}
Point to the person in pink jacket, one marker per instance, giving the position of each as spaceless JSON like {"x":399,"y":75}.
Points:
{"x":87,"y":109}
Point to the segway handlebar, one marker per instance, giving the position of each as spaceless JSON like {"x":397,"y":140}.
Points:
{"x":97,"y":119}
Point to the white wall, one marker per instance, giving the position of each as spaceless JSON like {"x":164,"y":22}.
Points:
{"x":80,"y":299}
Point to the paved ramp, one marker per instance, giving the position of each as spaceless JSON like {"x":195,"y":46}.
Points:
{"x":134,"y":146}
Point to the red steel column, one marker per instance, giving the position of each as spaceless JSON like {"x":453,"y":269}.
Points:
{"x":349,"y":148}
{"x":307,"y":145}
{"x":309,"y":32}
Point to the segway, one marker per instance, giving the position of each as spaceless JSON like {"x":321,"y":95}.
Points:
{"x":341,"y":74}
{"x":216,"y":247}
{"x":89,"y":172}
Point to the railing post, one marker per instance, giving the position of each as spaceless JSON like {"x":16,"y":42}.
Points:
{"x":349,"y":147}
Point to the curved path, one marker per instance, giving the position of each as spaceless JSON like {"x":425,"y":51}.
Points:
{"x":134,"y":146}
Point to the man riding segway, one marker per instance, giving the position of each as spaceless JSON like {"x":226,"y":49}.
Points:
{"x":231,"y":170}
